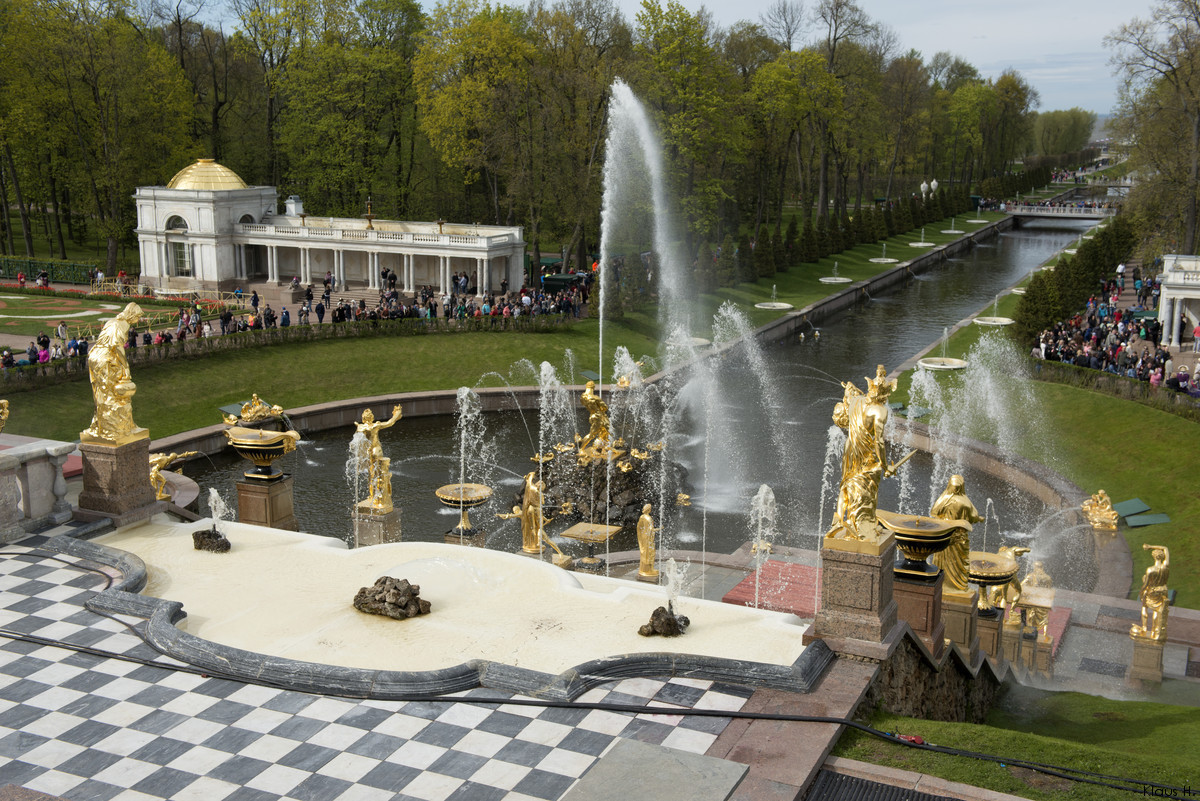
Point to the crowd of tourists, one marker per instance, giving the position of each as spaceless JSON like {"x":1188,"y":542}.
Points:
{"x":1117,"y":340}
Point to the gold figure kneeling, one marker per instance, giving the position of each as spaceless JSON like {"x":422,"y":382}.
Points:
{"x":1099,"y":511}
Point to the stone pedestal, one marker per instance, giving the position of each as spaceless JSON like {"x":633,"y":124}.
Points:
{"x":857,"y":599}
{"x":267,"y":503}
{"x":474,"y":539}
{"x":1010,"y":638}
{"x":10,"y":507}
{"x":1043,"y":655}
{"x":919,"y":604}
{"x":1147,"y":660}
{"x":989,"y":636}
{"x":961,"y":616}
{"x":376,"y":528}
{"x":116,"y":481}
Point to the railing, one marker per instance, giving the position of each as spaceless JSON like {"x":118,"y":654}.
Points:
{"x":1061,"y":211}
{"x":68,"y":272}
{"x":370,"y":235}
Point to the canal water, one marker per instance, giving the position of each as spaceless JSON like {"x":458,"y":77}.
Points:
{"x":787,"y":447}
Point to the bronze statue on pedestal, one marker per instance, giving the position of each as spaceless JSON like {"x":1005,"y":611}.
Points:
{"x":1154,"y":596}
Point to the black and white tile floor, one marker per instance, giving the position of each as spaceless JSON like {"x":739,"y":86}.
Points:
{"x":82,"y":724}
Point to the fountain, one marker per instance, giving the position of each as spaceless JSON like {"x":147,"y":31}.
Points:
{"x":835,"y":278}
{"x":773,"y":304}
{"x":472,"y":444}
{"x":921,"y":243}
{"x":953,"y":229}
{"x":994,"y":319}
{"x":762,"y":523}
{"x":883,"y":258}
{"x":942,"y":362}
{"x":376,"y":520}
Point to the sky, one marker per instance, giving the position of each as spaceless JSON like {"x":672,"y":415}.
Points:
{"x":1057,"y":45}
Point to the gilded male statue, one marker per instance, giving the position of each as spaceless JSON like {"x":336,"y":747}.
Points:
{"x":1154,"y":596}
{"x":596,"y":441}
{"x":112,"y":386}
{"x":379,"y":476}
{"x":955,"y":560}
{"x":158,"y":463}
{"x":864,"y":461}
{"x":1038,"y":615}
{"x":3,"y":414}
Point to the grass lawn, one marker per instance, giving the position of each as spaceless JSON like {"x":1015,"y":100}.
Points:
{"x":25,"y":314}
{"x":1130,"y":739}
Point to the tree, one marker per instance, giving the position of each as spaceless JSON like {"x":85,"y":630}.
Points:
{"x":784,"y":22}
{"x":1159,"y":62}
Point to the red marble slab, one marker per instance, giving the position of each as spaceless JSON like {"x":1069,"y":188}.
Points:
{"x":782,"y":587}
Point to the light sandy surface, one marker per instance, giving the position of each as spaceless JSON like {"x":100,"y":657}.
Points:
{"x":290,"y":595}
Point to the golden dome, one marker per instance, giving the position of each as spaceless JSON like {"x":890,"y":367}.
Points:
{"x":208,"y":175}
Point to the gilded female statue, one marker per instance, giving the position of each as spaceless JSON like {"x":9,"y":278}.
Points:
{"x":955,"y":561}
{"x":645,"y":535}
{"x":112,"y":386}
{"x":864,"y":461}
{"x":1154,"y":596}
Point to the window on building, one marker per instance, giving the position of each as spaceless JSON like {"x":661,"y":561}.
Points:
{"x":177,"y":224}
{"x":181,"y":259}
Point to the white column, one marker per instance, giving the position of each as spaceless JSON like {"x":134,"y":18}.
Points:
{"x":485,"y":280}
{"x":480,"y":276}
{"x":1166,"y":309}
{"x":408,"y":273}
{"x":441,"y":274}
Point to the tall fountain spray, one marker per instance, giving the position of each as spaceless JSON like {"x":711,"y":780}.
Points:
{"x":635,"y":211}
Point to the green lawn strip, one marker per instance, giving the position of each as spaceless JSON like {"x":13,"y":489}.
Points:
{"x":29,"y":314}
{"x":180,"y":395}
{"x":1136,"y":740}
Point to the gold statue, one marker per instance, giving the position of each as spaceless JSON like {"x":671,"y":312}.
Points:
{"x":683,"y":499}
{"x":1038,"y":615}
{"x":158,"y":462}
{"x":595,"y":444}
{"x":112,"y":386}
{"x":253,"y":411}
{"x":645,"y":536}
{"x":532,"y":517}
{"x":1099,"y":511}
{"x":955,"y":561}
{"x":1154,"y":596}
{"x":3,"y":414}
{"x":1006,"y":595}
{"x":864,"y":462}
{"x":379,"y":475}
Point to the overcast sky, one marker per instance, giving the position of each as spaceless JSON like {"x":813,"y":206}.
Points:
{"x":1056,"y":44}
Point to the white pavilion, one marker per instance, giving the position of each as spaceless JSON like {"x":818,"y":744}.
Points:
{"x":1180,"y":296}
{"x":208,"y":230}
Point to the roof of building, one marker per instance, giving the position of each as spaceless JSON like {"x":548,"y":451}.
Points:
{"x":206,"y":174}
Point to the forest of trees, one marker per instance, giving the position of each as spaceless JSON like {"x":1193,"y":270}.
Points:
{"x":487,"y":113}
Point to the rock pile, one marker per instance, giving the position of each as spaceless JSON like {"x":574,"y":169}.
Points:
{"x":665,"y":623}
{"x":395,"y":598}
{"x":209,"y":539}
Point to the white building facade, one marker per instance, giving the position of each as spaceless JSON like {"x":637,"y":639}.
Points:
{"x":1180,"y":296}
{"x":208,"y":230}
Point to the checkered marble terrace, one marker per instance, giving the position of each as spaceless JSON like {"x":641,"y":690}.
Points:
{"x":89,"y":711}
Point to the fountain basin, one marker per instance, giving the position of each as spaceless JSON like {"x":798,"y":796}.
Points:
{"x":463,"y":497}
{"x":954,"y":231}
{"x":288,"y":596}
{"x":774,"y":305}
{"x":921,"y":244}
{"x":989,"y":570}
{"x":882,"y":260}
{"x":918,"y":537}
{"x":994,"y":321}
{"x":835,"y":279}
{"x":942,"y":363}
{"x":1020,"y":290}
{"x":977,"y":222}
{"x":262,"y":447}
